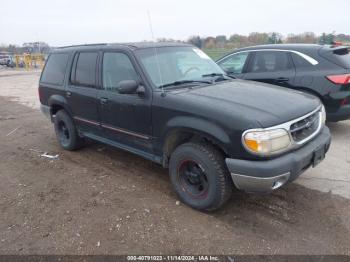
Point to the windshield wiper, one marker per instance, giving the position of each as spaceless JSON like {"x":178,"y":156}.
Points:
{"x":213,"y":74}
{"x":231,"y":76}
{"x":182,"y":82}
{"x":220,"y":76}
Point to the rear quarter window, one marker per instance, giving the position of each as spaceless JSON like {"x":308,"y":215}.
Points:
{"x":343,"y":56}
{"x":55,"y":69}
{"x":300,"y":62}
{"x":339,"y":56}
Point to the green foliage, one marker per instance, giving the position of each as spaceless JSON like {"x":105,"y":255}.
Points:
{"x":216,"y":53}
{"x":213,"y":45}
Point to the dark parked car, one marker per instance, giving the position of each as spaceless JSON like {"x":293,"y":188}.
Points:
{"x":320,"y":70}
{"x":173,"y":105}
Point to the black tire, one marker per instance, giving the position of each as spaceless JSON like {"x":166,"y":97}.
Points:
{"x":66,"y":132}
{"x":199,"y":176}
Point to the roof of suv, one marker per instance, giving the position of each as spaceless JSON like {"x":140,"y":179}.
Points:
{"x":297,"y":47}
{"x":136,"y":45}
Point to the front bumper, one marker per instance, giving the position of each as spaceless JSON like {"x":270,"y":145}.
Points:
{"x":265,"y":176}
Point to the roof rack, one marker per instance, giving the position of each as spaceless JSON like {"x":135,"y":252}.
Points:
{"x":61,"y":47}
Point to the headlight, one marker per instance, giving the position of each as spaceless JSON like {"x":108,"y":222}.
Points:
{"x":323,"y":115}
{"x":266,"y":142}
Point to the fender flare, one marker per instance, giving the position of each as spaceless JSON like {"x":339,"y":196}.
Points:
{"x":202,"y":127}
{"x":60,"y":101}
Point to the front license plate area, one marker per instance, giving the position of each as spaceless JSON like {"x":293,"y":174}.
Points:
{"x":318,"y":156}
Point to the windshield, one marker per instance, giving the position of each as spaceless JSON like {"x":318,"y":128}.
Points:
{"x":167,"y":65}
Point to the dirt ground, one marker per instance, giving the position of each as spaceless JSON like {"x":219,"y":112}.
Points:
{"x":101,"y":200}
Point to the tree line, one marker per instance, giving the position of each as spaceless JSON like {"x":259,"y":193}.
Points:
{"x":257,"y":38}
{"x":219,"y":41}
{"x":30,"y":47}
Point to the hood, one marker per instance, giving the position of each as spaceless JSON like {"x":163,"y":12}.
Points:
{"x":266,"y":104}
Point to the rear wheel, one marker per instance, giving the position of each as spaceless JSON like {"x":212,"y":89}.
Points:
{"x":200,"y":177}
{"x":66,"y":131}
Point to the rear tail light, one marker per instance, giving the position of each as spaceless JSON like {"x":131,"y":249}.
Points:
{"x":339,"y":79}
{"x":336,"y":43}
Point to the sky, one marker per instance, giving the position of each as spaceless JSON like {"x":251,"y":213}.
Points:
{"x":63,"y":22}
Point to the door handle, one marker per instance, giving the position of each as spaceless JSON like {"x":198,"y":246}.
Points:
{"x":68,"y":94}
{"x":282,"y":79}
{"x":103,"y":100}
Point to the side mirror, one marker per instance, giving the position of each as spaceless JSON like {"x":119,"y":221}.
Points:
{"x":127,"y":86}
{"x":230,"y":70}
{"x":141,"y":91}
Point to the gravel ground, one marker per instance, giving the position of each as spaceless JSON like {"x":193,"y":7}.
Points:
{"x":101,"y":200}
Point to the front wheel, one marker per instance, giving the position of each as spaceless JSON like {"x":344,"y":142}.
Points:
{"x":199,"y":176}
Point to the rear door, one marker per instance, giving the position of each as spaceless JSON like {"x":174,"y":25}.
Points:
{"x":82,"y":91}
{"x":235,"y":64}
{"x":272,"y":67}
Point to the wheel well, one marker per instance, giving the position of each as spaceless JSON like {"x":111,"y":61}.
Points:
{"x":179,"y":137}
{"x":55,"y":108}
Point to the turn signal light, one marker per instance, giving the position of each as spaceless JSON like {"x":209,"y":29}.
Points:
{"x":266,"y":142}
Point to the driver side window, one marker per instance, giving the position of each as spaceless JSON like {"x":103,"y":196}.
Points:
{"x":234,"y":64}
{"x":116,"y":68}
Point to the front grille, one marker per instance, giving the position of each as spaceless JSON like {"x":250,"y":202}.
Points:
{"x":305,"y":128}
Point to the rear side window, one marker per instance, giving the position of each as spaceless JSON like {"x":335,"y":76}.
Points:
{"x":300,"y":62}
{"x":84,"y":73}
{"x":270,"y":61}
{"x":343,"y":56}
{"x":339,"y":56}
{"x":55,"y":69}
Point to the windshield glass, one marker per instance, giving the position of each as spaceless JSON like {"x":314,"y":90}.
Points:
{"x":166,"y":65}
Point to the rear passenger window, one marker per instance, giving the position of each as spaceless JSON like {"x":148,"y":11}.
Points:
{"x":270,"y":61}
{"x":85,"y":69}
{"x":55,"y":69}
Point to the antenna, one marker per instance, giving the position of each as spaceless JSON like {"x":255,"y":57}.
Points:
{"x":155,"y":50}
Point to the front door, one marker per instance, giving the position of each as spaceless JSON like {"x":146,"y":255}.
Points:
{"x":235,"y":64}
{"x":125,"y":118}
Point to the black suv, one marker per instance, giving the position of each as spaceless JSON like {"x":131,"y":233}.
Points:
{"x":323,"y":71}
{"x":173,"y":105}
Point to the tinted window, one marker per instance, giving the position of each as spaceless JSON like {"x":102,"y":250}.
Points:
{"x":299,"y":61}
{"x":234,"y":63}
{"x":117,"y":67}
{"x":343,"y":56}
{"x":55,"y":69}
{"x":270,"y":62}
{"x":85,"y":72}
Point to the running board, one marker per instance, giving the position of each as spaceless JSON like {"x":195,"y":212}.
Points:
{"x":138,"y":152}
